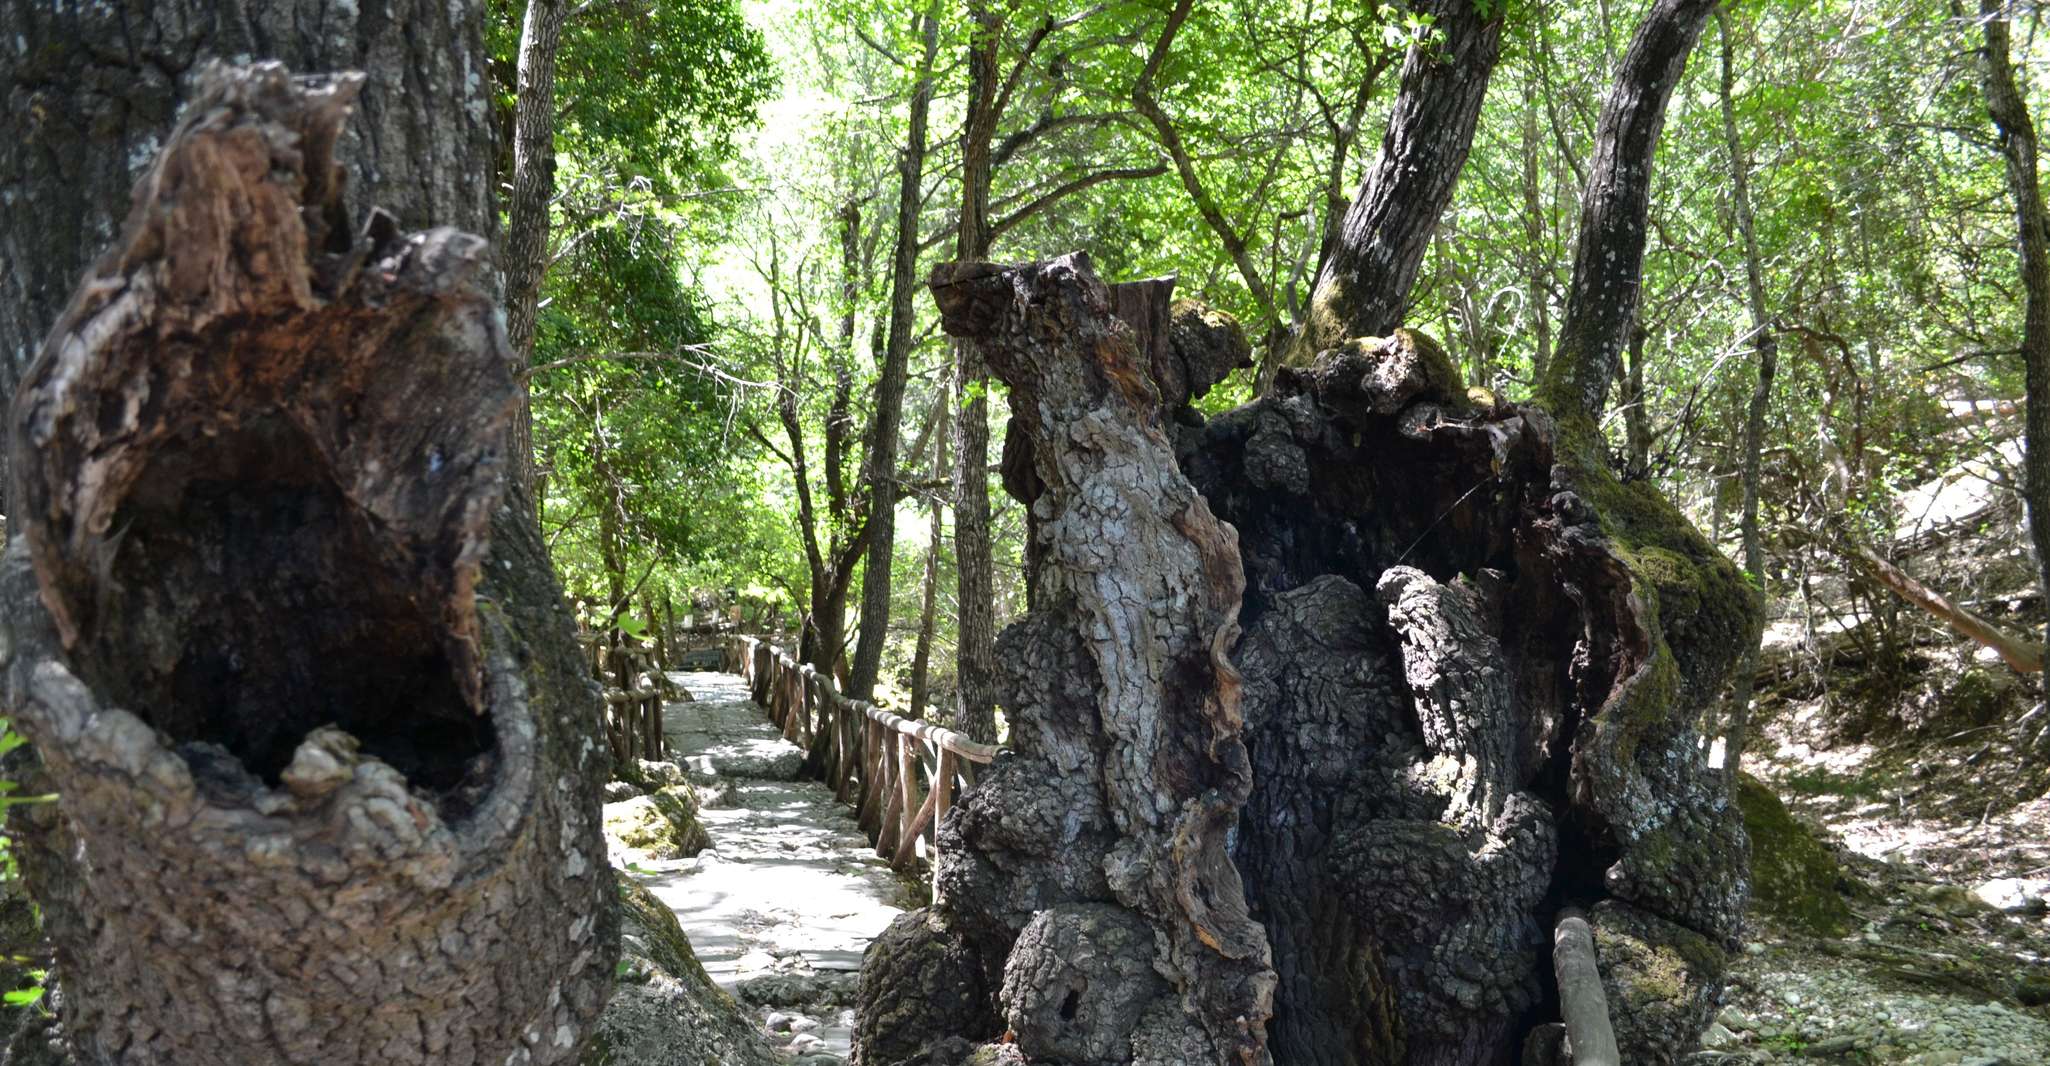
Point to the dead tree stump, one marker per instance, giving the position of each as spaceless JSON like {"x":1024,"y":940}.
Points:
{"x":298,"y":670}
{"x":1463,"y":702}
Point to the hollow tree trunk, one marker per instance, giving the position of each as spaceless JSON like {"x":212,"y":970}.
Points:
{"x":1364,"y":282}
{"x":297,"y":668}
{"x":90,"y":89}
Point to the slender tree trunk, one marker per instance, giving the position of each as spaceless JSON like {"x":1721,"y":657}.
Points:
{"x":881,"y":475}
{"x":1365,"y":282}
{"x":928,"y":615}
{"x":2019,"y":146}
{"x":975,"y":654}
{"x":533,"y":188}
{"x":1608,"y":257}
{"x":1737,"y":722}
{"x":72,"y":153}
{"x":299,"y":672}
{"x":1538,"y":293}
{"x":1258,"y":285}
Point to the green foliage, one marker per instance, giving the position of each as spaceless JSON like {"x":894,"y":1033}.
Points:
{"x":1884,"y":232}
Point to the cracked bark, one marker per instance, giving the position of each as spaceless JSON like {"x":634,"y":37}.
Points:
{"x":89,"y":90}
{"x":293,"y":661}
{"x":1364,"y":281}
{"x":1106,"y":823}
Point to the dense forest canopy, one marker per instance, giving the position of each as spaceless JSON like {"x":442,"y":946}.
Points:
{"x":744,"y":225}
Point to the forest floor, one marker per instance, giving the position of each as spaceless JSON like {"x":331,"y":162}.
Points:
{"x":784,"y":902}
{"x":1943,"y":836}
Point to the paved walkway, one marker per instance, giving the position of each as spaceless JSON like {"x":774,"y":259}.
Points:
{"x":783,"y":904}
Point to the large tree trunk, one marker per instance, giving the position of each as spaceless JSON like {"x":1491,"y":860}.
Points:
{"x":90,"y":89}
{"x":297,"y":668}
{"x":1464,"y":711}
{"x":1364,"y":282}
{"x":1084,"y":882}
{"x":896,"y":369}
{"x":2018,"y":145}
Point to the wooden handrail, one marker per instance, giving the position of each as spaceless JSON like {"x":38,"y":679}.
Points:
{"x":633,"y":689}
{"x":901,"y":776}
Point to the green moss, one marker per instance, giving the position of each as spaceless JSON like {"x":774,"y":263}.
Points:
{"x":1656,"y":972}
{"x":1794,"y":877}
{"x":663,"y":823}
{"x":664,"y":943}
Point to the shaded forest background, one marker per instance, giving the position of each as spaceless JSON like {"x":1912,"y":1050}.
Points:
{"x":715,"y":318}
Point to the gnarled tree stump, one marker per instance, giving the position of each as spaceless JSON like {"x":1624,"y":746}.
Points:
{"x":1462,"y":704}
{"x":297,"y":669}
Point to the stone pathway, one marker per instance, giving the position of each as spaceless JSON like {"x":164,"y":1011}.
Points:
{"x":784,"y":902}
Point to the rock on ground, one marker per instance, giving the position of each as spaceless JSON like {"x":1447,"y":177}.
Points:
{"x":663,"y":824}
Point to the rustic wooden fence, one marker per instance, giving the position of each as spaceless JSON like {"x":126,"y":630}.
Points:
{"x":900,"y":776}
{"x":635,"y":689}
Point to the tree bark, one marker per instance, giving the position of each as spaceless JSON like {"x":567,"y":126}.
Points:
{"x":84,"y":117}
{"x":1085,"y":879}
{"x":533,"y":187}
{"x":1365,"y":281}
{"x":975,"y":626}
{"x":1608,"y":256}
{"x":2018,"y":146}
{"x":881,"y":474}
{"x":296,"y":666}
{"x":1636,"y":418}
{"x":1737,"y":723}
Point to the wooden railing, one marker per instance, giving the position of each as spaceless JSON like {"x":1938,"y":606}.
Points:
{"x":635,"y":689}
{"x":900,"y":775}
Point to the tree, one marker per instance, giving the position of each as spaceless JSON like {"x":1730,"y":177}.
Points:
{"x":1464,"y":696}
{"x":975,"y":655}
{"x":73,"y":154}
{"x":1373,"y":262}
{"x":1608,"y":257}
{"x":294,"y":663}
{"x":880,"y":466}
{"x":1766,"y":343}
{"x":533,"y":187}
{"x":2010,"y":111}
